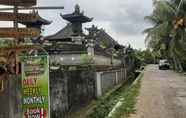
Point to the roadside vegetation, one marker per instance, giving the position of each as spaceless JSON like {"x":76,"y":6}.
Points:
{"x":129,"y":99}
{"x":126,"y":95}
{"x":144,"y":57}
{"x":167,"y":36}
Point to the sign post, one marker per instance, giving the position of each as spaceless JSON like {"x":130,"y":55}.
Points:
{"x":18,"y":2}
{"x":35,"y":86}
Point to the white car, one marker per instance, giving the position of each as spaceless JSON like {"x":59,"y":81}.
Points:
{"x":164,"y":64}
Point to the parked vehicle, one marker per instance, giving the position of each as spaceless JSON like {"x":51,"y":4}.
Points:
{"x":164,"y":64}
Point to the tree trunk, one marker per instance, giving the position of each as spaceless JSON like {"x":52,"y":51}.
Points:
{"x":175,"y":63}
{"x":180,"y":68}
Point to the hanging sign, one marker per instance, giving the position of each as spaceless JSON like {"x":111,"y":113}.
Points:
{"x":22,"y":17}
{"x":35,"y":86}
{"x":18,"y":2}
{"x":20,"y":32}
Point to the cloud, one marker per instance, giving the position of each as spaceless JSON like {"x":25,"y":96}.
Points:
{"x":122,"y":19}
{"x":130,"y":19}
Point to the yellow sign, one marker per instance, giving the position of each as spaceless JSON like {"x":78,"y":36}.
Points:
{"x":19,"y":33}
{"x":23,"y":17}
{"x":18,"y":2}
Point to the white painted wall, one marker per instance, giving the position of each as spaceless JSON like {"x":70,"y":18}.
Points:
{"x":76,"y":59}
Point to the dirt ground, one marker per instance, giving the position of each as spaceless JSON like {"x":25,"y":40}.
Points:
{"x":162,"y":94}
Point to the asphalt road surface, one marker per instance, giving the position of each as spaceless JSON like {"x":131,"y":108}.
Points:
{"x":162,"y":94}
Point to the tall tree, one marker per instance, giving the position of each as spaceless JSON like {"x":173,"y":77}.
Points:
{"x":168,"y":34}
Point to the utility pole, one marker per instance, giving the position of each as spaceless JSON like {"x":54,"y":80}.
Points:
{"x":15,"y":12}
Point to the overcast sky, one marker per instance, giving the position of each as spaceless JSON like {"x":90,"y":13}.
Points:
{"x":122,"y":19}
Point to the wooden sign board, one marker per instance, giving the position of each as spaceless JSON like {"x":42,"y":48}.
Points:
{"x":18,"y":2}
{"x":19,"y":33}
{"x":18,"y":48}
{"x":23,"y":17}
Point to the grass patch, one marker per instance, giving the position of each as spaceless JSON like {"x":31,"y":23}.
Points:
{"x":129,"y":101}
{"x":105,"y":104}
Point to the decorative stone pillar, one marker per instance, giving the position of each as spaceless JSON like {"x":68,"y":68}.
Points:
{"x":98,"y":84}
{"x":90,"y":47}
{"x":117,"y":77}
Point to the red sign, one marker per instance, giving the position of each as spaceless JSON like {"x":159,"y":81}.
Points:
{"x":23,"y":17}
{"x":18,"y":2}
{"x":19,"y":33}
{"x":35,"y":113}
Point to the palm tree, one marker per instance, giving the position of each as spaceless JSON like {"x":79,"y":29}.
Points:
{"x":168,"y":34}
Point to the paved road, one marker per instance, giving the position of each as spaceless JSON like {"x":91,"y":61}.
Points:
{"x":162,"y":95}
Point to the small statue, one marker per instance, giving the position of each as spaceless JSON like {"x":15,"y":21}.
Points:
{"x":77,"y":9}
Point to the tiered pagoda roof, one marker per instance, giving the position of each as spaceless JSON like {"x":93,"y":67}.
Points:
{"x":104,"y":43}
{"x":102,"y":39}
{"x":37,"y":22}
{"x":73,"y":28}
{"x":77,"y":16}
{"x":62,"y":35}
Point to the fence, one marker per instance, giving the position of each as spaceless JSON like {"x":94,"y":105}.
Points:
{"x":108,"y":79}
{"x":71,"y":90}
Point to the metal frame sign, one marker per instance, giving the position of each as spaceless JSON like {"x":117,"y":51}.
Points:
{"x":22,"y":17}
{"x":35,"y":86}
{"x":19,"y":32}
{"x":18,"y":2}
